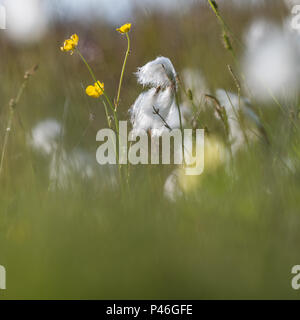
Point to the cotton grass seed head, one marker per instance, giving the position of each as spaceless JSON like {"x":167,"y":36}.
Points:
{"x":142,"y":111}
{"x":157,"y":73}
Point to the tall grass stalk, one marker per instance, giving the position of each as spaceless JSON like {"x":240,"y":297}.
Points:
{"x":12,"y":106}
{"x":224,"y":25}
{"x":238,"y":113}
{"x":122,"y":72}
{"x":117,"y":100}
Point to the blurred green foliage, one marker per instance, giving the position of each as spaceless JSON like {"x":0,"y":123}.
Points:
{"x":227,"y":238}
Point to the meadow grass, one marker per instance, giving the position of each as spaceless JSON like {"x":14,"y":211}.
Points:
{"x":228,"y":237}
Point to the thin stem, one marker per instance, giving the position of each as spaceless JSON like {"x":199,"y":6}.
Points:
{"x":190,"y":98}
{"x":156,"y":111}
{"x":223,"y":23}
{"x":107,"y":114}
{"x":122,"y":72}
{"x":12,"y":106}
{"x":59,"y":151}
{"x":8,"y":128}
{"x":104,"y":93}
{"x":181,"y":127}
{"x":110,"y":104}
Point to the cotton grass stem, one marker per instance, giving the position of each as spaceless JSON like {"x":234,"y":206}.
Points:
{"x":181,"y":127}
{"x":222,"y":22}
{"x":174,"y":87}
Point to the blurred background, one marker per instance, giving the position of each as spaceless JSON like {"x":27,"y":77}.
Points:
{"x":68,"y":229}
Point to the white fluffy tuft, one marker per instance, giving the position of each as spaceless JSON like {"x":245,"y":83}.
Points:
{"x":142,"y":112}
{"x":44,"y":136}
{"x":157,"y":73}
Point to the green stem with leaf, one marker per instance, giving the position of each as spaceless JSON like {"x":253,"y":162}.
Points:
{"x":104,"y":93}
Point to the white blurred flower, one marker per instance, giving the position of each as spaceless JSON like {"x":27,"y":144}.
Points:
{"x":172,"y":190}
{"x":26,"y":20}
{"x":65,"y":167}
{"x":157,"y":73}
{"x":291,"y":3}
{"x":271,"y":62}
{"x":45,"y":135}
{"x":232,"y":107}
{"x":193,"y":80}
{"x":257,"y":32}
{"x":248,"y":127}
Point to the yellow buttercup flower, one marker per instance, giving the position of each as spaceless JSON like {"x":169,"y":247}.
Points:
{"x":96,"y":90}
{"x":75,"y":39}
{"x":125,"y":28}
{"x":70,"y":44}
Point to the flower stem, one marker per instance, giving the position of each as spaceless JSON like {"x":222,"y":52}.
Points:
{"x":110,"y":104}
{"x":104,"y":93}
{"x":12,"y":106}
{"x":122,"y":72}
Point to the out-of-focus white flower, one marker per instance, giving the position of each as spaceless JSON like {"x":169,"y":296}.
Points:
{"x":233,"y":109}
{"x":66,"y":169}
{"x":271,"y":62}
{"x":291,"y":3}
{"x":257,"y":32}
{"x":157,"y":73}
{"x":193,"y":80}
{"x":26,"y":20}
{"x":45,"y":135}
{"x":172,"y":190}
{"x":236,"y":108}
